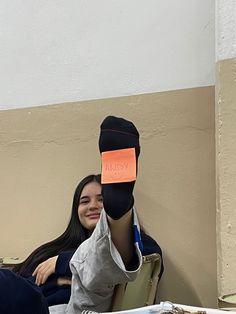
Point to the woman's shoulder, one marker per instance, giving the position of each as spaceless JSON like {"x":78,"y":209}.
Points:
{"x":150,"y":246}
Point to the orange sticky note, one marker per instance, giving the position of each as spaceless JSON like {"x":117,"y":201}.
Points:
{"x":119,"y":166}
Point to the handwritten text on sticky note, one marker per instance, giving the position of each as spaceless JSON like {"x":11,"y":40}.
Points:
{"x":119,"y":166}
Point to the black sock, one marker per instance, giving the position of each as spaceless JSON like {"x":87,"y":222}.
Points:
{"x":118,"y":133}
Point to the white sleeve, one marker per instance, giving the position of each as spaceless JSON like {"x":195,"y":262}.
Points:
{"x":97,"y":268}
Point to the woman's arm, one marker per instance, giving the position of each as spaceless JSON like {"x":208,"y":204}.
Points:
{"x":63,"y":263}
{"x":44,"y":270}
{"x":58,"y":264}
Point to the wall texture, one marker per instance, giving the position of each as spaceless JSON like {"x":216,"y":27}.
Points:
{"x":225,"y":143}
{"x":225,"y":174}
{"x":46,"y":150}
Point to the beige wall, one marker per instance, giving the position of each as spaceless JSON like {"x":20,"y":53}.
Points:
{"x":226,"y":174}
{"x":44,"y":151}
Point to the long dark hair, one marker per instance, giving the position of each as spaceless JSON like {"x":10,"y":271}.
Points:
{"x":70,"y":239}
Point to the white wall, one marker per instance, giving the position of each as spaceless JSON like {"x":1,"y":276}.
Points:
{"x":71,"y":50}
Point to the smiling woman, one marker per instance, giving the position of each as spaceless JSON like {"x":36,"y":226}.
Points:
{"x":48,"y":266}
{"x":90,"y":205}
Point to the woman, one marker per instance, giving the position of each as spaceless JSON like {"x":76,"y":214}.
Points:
{"x":99,"y":249}
{"x":48,"y":265}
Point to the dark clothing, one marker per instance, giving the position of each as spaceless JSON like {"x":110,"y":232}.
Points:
{"x":20,"y":295}
{"x":150,"y":246}
{"x":54,"y":293}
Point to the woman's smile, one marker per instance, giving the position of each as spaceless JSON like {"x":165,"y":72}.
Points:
{"x":90,"y":205}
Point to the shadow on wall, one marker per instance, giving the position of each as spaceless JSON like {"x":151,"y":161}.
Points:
{"x":175,"y":287}
{"x":189,"y":276}
{"x":177,"y":283}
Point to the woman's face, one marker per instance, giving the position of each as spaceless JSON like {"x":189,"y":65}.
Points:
{"x":90,"y":205}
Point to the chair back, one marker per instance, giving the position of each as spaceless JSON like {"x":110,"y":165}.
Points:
{"x":142,"y":291}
